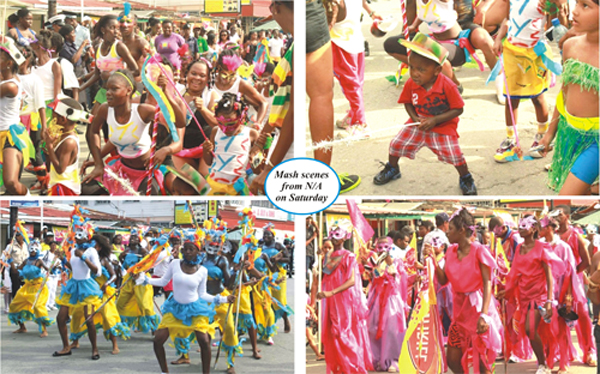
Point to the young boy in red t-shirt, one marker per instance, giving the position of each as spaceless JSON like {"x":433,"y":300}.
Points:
{"x":432,"y":100}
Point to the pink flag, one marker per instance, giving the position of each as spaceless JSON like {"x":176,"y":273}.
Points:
{"x":359,"y":222}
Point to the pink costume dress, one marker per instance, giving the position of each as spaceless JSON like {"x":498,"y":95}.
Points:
{"x":345,"y":336}
{"x":526,"y":283}
{"x":566,"y":350}
{"x":467,"y":296}
{"x":387,"y":315}
{"x":583,"y":326}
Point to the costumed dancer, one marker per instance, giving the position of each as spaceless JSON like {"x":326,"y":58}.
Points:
{"x":22,"y":307}
{"x":228,"y":150}
{"x":111,"y":55}
{"x":574,"y":239}
{"x":187,"y":313}
{"x":530,"y":282}
{"x":475,"y":333}
{"x":279,"y":257}
{"x":55,"y":271}
{"x":567,"y":290}
{"x":574,"y":124}
{"x":81,"y":291}
{"x":62,"y":147}
{"x":135,"y":301}
{"x":129,"y":134}
{"x":345,"y":333}
{"x":528,"y":65}
{"x":219,"y":282}
{"x":108,"y":317}
{"x":387,"y":308}
{"x":15,"y":144}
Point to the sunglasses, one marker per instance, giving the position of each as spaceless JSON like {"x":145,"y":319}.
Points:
{"x":227,"y":76}
{"x":227,"y":123}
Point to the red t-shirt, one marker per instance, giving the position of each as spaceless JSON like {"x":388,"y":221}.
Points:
{"x":442,"y":97}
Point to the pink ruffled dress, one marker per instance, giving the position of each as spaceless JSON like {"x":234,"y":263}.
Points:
{"x":467,"y":286}
{"x":345,"y":336}
{"x":387,"y":316}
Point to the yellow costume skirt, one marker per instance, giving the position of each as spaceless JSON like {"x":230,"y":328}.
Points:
{"x":16,"y":137}
{"x":21,"y":308}
{"x":226,"y":323}
{"x":525,"y":72}
{"x":107,"y":318}
{"x":80,"y":293}
{"x":281,"y":295}
{"x":183,"y":320}
{"x":265,"y":317}
{"x":136,"y":306}
{"x":245,"y":319}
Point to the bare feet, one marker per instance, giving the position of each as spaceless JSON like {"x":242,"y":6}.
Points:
{"x":287,"y":328}
{"x":181,"y":360}
{"x":44,"y":334}
{"x":75,"y":344}
{"x":256,"y":355}
{"x":320,"y":357}
{"x":21,"y":330}
{"x":230,"y":370}
{"x":115,"y":351}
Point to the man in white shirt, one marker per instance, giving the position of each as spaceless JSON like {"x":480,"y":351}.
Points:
{"x":442,"y":222}
{"x":81,"y":32}
{"x":401,"y":245}
{"x":18,"y":252}
{"x":275,"y":47}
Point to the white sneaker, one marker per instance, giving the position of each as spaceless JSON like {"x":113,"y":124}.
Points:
{"x":543,"y":369}
{"x":270,"y":341}
{"x":500,"y":89}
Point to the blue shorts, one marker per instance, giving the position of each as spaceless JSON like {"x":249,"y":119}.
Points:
{"x":586,"y":167}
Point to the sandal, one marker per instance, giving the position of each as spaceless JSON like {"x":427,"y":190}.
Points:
{"x":96,"y":357}
{"x":58,"y":354}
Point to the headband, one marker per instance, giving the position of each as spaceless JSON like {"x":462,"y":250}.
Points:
{"x":71,"y":114}
{"x":126,"y":78}
{"x":545,"y":222}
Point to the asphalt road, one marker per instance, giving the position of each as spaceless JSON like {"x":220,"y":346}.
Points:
{"x":481,"y":130}
{"x":30,"y":354}
{"x":528,"y":367}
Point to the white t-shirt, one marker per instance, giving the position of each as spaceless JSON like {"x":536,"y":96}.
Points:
{"x":187,"y":288}
{"x":69,"y":78}
{"x":399,"y":253}
{"x":347,"y":34}
{"x":33,"y":93}
{"x":275,"y":46}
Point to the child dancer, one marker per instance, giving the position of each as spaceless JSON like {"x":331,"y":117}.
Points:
{"x":525,"y":71}
{"x":231,"y":142}
{"x":575,"y":120}
{"x":431,"y":99}
{"x":22,"y":306}
{"x":62,"y":147}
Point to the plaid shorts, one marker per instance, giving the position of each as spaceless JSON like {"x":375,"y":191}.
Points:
{"x":410,"y":139}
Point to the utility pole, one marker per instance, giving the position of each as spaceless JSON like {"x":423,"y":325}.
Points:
{"x":51,"y":8}
{"x":12,"y":221}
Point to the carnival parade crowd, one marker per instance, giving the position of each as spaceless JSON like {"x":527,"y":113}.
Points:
{"x":464,"y":296}
{"x":512,"y":38}
{"x":180,"y":109}
{"x":208,"y":281}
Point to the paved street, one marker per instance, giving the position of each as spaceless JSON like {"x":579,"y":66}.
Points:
{"x":529,"y":367}
{"x":481,"y":130}
{"x":29,"y":354}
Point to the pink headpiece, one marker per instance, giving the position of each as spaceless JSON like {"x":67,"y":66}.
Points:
{"x":338,"y":233}
{"x":527,"y":222}
{"x":545,"y":222}
{"x":384,"y":244}
{"x":232,"y":62}
{"x":259,"y":68}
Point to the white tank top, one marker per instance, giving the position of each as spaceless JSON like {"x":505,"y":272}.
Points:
{"x":70,"y":177}
{"x":10,"y":107}
{"x":33,"y":93}
{"x":438,"y":16}
{"x":45,"y":74}
{"x":526,"y":23}
{"x":235,"y":88}
{"x":232,"y":154}
{"x":132,"y":139}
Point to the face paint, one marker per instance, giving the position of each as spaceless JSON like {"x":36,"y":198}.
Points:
{"x":226,"y":124}
{"x":498,"y":230}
